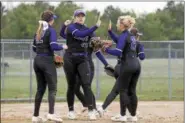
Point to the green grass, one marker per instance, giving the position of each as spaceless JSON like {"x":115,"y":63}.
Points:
{"x":147,"y":88}
{"x":153,"y":83}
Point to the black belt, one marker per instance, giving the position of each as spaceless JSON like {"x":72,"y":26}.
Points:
{"x":44,"y":54}
{"x":129,"y":55}
{"x":78,"y":53}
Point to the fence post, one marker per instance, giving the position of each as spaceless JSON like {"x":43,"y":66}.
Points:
{"x":3,"y":67}
{"x":31,"y":72}
{"x":97,"y":79}
{"x":184,"y":74}
{"x":176,"y":52}
{"x":22,"y":54}
{"x":169,"y":72}
{"x":140,"y":80}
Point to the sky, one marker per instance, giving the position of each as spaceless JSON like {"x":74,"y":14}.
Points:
{"x":138,"y":7}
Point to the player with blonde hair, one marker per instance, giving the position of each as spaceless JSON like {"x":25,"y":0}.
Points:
{"x":129,"y":70}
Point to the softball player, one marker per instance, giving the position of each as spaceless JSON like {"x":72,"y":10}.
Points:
{"x":114,"y":92}
{"x":44,"y":45}
{"x":129,"y":69}
{"x":76,"y":62}
{"x":78,"y":92}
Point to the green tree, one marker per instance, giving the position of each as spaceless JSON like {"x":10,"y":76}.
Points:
{"x":176,"y":12}
{"x":112,"y":13}
{"x":164,"y":24}
{"x":22,"y":21}
{"x":64,"y":11}
{"x":3,"y":17}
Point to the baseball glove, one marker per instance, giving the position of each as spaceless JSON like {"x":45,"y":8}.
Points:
{"x":109,"y":70}
{"x":107,"y":44}
{"x":97,"y":44}
{"x":58,"y":60}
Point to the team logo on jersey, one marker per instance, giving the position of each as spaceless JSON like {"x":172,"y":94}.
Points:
{"x":40,"y":41}
{"x":133,"y":43}
{"x":85,"y":39}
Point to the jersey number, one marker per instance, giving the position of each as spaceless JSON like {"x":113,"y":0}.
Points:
{"x":133,"y":43}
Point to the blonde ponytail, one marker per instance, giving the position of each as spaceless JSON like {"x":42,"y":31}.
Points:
{"x":39,"y":31}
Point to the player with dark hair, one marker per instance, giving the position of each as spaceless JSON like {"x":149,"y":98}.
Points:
{"x":44,"y":45}
{"x":128,"y":69}
{"x":76,"y":62}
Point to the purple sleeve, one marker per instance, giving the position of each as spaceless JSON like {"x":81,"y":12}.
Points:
{"x":101,"y":58}
{"x":113,"y":36}
{"x":34,"y":44}
{"x":77,"y":33}
{"x":53,"y":41}
{"x":113,"y":52}
{"x":119,"y":47}
{"x":62,"y":31}
{"x":93,"y":35}
{"x":141,"y":52}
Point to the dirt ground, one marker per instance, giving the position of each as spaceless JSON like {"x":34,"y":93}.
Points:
{"x":149,"y":112}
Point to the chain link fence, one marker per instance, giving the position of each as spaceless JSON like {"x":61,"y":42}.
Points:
{"x":161,"y":77}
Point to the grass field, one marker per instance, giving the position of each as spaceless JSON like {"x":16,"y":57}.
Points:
{"x":152,"y":89}
{"x":153,"y":84}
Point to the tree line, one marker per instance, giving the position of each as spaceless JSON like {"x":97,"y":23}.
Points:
{"x":21,"y":22}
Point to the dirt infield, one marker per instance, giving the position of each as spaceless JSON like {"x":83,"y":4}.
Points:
{"x":149,"y":112}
